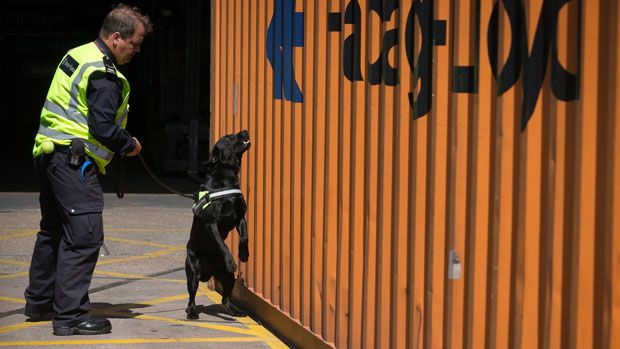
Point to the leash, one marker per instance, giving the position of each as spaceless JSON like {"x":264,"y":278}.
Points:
{"x":146,"y":167}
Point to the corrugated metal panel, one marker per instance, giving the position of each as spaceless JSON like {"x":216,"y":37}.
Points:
{"x":429,"y":173}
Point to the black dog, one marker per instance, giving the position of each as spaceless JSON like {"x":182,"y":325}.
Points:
{"x":220,"y":208}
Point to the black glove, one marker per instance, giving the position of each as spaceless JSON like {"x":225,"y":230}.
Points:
{"x":243,"y":251}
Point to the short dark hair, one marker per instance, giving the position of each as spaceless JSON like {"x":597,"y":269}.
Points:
{"x":123,"y":19}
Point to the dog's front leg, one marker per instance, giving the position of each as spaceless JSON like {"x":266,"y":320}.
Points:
{"x":244,"y":253}
{"x":228,"y":259}
{"x":191,"y":273}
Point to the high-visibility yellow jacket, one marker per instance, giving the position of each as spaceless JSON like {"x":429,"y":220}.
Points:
{"x":65,"y":112}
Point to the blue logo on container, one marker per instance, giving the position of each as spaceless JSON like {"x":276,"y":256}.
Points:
{"x":285,"y":32}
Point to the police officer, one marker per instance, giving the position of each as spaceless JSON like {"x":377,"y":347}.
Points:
{"x":82,"y":126}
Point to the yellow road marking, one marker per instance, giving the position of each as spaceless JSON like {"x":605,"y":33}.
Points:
{"x":145,"y":243}
{"x":143,"y":256}
{"x":8,"y":276}
{"x":255,"y":328}
{"x":12,"y":262}
{"x":252,"y":328}
{"x":147,"y":230}
{"x":18,"y":234}
{"x":262,"y":332}
{"x":115,"y":311}
{"x":137,"y":276}
{"x":26,"y":232}
{"x":21,"y":326}
{"x":207,"y":325}
{"x":99,"y":272}
{"x":12,"y":300}
{"x":166,"y":299}
{"x":135,"y":341}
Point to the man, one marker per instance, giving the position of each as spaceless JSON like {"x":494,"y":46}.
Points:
{"x":82,"y":126}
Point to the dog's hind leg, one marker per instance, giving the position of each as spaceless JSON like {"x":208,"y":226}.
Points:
{"x":192,"y":273}
{"x":228,"y":282}
{"x":243,"y":240}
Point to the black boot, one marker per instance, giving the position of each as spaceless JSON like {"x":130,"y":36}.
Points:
{"x":35,"y":314}
{"x":92,"y":325}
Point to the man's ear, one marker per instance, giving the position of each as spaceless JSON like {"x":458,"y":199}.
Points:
{"x":114,"y":37}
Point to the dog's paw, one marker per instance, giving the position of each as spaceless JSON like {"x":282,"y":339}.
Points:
{"x":233,"y":309}
{"x":192,"y":314}
{"x":230,"y":264}
{"x":244,"y":254}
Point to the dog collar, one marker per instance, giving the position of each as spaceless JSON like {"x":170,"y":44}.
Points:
{"x":206,"y":197}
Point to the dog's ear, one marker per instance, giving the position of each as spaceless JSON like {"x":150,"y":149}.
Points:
{"x":215,"y":155}
{"x":231,"y":162}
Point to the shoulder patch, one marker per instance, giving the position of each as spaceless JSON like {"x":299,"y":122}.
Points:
{"x":69,"y":65}
{"x":109,"y":66}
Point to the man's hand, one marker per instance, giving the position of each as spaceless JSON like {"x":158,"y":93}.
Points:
{"x":137,"y":148}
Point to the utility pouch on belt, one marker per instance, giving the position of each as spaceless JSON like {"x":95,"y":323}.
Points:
{"x":76,"y":152}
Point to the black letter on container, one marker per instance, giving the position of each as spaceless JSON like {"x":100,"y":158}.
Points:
{"x":424,"y":71}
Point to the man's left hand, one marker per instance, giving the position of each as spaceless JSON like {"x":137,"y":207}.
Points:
{"x":137,"y":148}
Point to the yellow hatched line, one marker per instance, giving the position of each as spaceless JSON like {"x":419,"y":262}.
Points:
{"x":115,"y":311}
{"x":21,"y":326}
{"x":206,"y":325}
{"x":12,"y":262}
{"x":154,"y":301}
{"x":143,"y":256}
{"x":12,"y":300}
{"x":147,"y":230}
{"x":18,"y":234}
{"x":134,"y":341}
{"x":101,"y":272}
{"x":262,"y":332}
{"x":144,"y":243}
{"x":255,"y":328}
{"x":137,"y":276}
{"x":9,"y":276}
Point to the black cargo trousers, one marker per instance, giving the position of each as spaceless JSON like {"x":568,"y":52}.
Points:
{"x":67,"y":246}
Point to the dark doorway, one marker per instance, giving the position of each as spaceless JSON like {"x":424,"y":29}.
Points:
{"x":170,"y":82}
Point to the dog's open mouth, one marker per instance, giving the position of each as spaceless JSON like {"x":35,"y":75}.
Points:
{"x":243,"y":137}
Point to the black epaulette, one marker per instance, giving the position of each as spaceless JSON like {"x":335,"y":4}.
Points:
{"x":109,"y":66}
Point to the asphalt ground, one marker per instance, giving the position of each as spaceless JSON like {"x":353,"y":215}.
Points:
{"x":140,"y":285}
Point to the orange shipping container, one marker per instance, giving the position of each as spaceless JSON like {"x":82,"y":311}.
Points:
{"x":428,"y":174}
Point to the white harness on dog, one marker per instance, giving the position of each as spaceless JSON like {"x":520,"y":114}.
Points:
{"x":206,"y":197}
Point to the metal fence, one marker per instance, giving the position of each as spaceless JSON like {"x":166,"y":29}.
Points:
{"x":429,"y":173}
